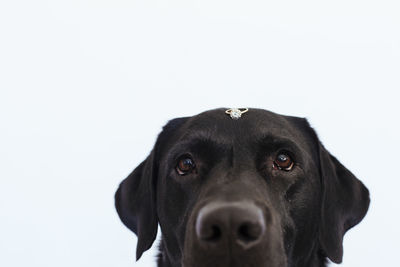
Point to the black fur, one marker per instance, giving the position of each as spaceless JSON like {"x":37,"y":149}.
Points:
{"x":306,"y":210}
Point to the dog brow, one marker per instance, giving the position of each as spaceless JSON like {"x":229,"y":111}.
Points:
{"x":200,"y":143}
{"x":274,"y":140}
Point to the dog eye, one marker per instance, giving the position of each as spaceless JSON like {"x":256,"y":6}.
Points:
{"x":283,"y":162}
{"x":185,"y":165}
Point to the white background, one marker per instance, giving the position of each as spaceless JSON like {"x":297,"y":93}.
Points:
{"x":85,"y":87}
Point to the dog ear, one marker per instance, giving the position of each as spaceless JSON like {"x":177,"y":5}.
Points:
{"x":135,"y":202}
{"x":345,"y":202}
{"x":135,"y":199}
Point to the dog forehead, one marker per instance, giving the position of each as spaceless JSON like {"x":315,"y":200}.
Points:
{"x":253,"y":123}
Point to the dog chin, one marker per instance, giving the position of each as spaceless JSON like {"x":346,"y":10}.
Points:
{"x":269,"y":255}
{"x":237,"y":262}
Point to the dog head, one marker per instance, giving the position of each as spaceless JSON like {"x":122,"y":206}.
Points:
{"x":258,"y":191}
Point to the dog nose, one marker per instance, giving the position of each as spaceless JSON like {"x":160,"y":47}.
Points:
{"x":239,"y":222}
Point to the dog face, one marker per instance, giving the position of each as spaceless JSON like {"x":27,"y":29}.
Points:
{"x":257,"y":191}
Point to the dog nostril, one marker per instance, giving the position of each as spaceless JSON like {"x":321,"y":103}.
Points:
{"x":214,"y":234}
{"x":210,"y":233}
{"x":248,"y":232}
{"x":207,"y":229}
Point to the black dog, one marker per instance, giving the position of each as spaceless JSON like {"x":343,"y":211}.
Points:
{"x":258,"y":191}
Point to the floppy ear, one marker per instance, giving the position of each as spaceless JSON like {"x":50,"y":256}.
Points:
{"x":345,"y":202}
{"x":135,"y":202}
{"x":135,"y":199}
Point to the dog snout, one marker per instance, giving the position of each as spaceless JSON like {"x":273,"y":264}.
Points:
{"x":242,"y":223}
